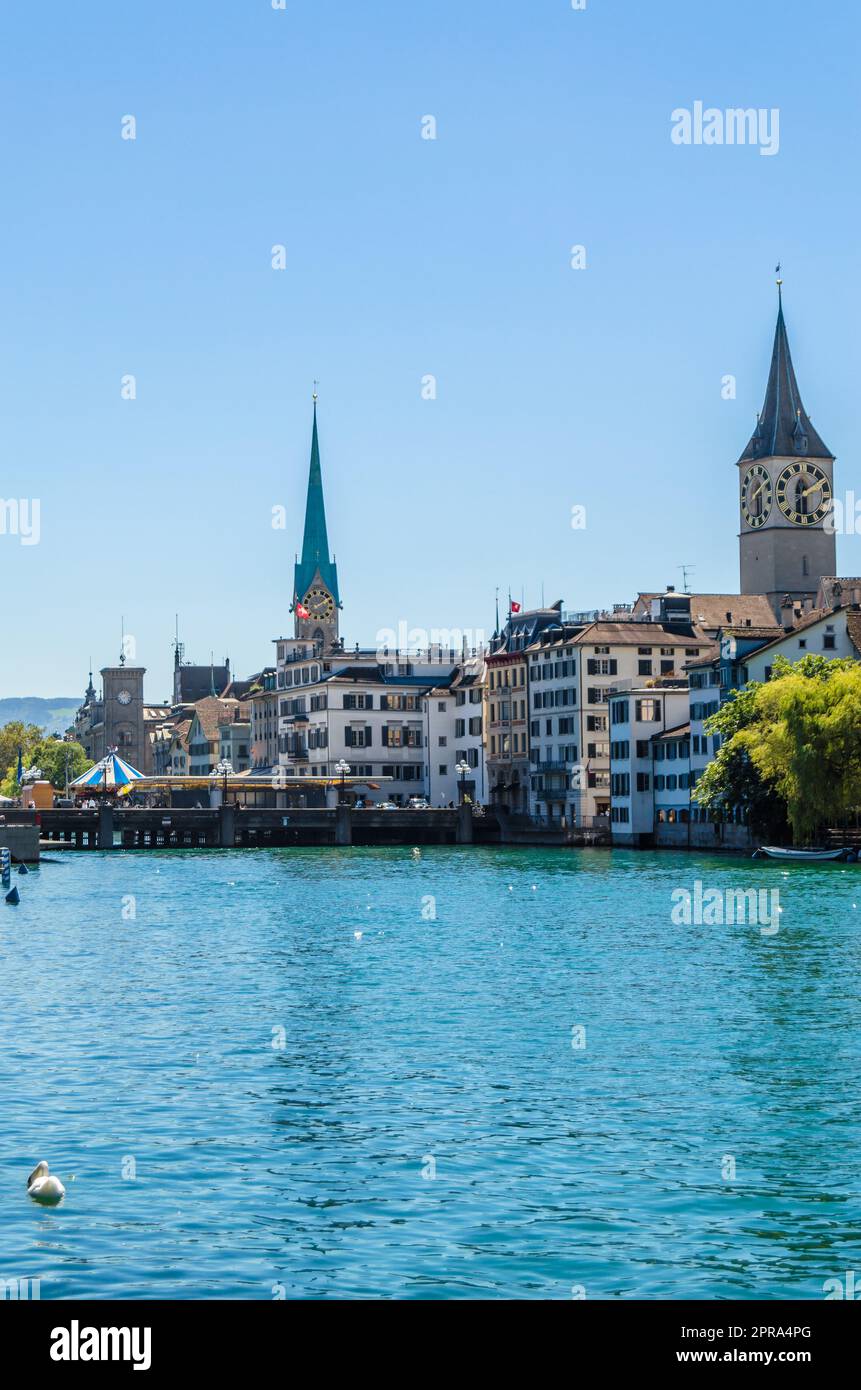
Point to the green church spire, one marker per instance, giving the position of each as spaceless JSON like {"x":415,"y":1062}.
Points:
{"x":315,"y":542}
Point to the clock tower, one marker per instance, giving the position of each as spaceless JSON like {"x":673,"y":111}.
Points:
{"x":786,"y":480}
{"x":316,"y":602}
{"x":123,"y":699}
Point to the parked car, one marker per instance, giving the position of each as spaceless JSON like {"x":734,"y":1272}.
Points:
{"x":387,"y":806}
{"x":418,"y":803}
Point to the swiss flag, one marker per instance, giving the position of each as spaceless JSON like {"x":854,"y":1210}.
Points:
{"x":302,"y":611}
{"x":515,"y":607}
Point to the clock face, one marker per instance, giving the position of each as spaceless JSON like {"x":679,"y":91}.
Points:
{"x":803,"y":493}
{"x":756,"y":495}
{"x":124,"y":697}
{"x":320,"y":604}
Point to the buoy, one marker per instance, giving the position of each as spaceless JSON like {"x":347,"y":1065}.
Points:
{"x":13,"y":897}
{"x":22,"y":869}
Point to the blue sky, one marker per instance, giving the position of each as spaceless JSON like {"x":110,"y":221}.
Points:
{"x":405,"y":257}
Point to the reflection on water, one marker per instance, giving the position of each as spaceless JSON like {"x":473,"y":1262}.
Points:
{"x":402,"y":1113}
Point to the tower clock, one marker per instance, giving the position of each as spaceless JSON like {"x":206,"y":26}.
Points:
{"x":786,"y":481}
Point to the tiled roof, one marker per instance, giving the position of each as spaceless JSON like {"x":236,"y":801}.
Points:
{"x":853,"y":630}
{"x":633,"y":634}
{"x":211,"y":712}
{"x":808,"y":621}
{"x":375,"y":675}
{"x":715,"y":610}
{"x":678,"y":732}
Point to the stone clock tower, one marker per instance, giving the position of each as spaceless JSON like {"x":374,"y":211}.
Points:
{"x":122,"y":693}
{"x":786,"y":480}
{"x":316,"y":602}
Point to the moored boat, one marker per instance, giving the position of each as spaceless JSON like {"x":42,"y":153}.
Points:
{"x":802,"y":855}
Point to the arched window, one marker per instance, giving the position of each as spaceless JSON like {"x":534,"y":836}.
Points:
{"x":805,"y":565}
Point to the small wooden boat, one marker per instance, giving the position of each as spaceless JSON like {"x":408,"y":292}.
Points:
{"x":802,"y":855}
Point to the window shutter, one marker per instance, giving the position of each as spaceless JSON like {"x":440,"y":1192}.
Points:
{"x":348,"y":737}
{"x":368,"y":736}
{"x":614,"y":666}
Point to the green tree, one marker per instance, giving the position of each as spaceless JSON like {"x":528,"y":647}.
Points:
{"x":13,"y":736}
{"x":792,"y":743}
{"x":732,"y":779}
{"x":49,"y":754}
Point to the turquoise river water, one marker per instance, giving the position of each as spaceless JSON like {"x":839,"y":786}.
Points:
{"x":469,"y":1073}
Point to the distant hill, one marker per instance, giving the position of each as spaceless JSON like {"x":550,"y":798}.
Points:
{"x":54,"y":716}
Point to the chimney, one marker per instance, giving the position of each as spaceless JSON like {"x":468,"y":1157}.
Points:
{"x":786,"y":613}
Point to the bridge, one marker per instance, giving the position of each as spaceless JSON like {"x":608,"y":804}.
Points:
{"x":229,"y":826}
{"x":238,"y":826}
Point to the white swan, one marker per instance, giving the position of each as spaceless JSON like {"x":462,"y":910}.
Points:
{"x":43,"y":1187}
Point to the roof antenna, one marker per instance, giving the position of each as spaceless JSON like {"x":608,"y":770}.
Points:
{"x":685,"y":569}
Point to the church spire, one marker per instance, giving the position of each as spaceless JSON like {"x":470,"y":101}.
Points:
{"x":315,"y":543}
{"x":783,"y":427}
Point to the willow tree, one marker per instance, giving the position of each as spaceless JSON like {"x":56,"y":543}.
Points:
{"x":797,"y":738}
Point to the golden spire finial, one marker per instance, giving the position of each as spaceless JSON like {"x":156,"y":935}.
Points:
{"x":314,"y":396}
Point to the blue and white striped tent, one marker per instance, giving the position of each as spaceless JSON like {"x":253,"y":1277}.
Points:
{"x":107,"y":776}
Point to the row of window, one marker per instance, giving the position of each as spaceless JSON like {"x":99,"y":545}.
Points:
{"x":551,"y":670}
{"x":304,"y":675}
{"x":474,"y":696}
{"x":704,"y":710}
{"x":506,"y":744}
{"x":506,"y":676}
{"x":550,"y":699}
{"x":393,"y":736}
{"x":674,"y":748}
{"x":507,"y":710}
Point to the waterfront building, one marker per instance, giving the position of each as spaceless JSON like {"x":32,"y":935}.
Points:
{"x":785,"y":481}
{"x":204,"y":735}
{"x":506,"y":706}
{"x":234,"y":739}
{"x":170,"y":744}
{"x":263,"y":702}
{"x":739,"y":655}
{"x":454,"y":729}
{"x":572,"y":669}
{"x":371,"y":710}
{"x":649,"y":739}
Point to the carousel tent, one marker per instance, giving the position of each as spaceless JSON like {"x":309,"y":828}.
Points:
{"x":110,"y":775}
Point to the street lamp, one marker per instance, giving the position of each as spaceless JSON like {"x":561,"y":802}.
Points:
{"x":462,"y":768}
{"x":343,"y":770}
{"x":223,"y":769}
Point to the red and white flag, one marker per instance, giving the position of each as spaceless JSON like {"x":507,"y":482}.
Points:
{"x":515,"y":607}
{"x":302,"y":611}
